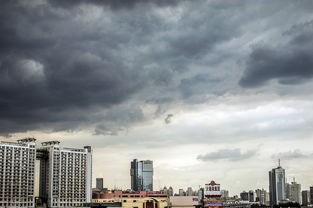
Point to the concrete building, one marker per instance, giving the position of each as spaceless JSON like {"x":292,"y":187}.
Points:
{"x":311,"y":194}
{"x":305,"y":198}
{"x":294,"y":192}
{"x":261,"y":196}
{"x":127,"y":202}
{"x":277,"y":185}
{"x":181,"y":192}
{"x":212,"y":190}
{"x":17,"y":175}
{"x":65,"y":175}
{"x":99,"y":183}
{"x":141,"y":173}
{"x":170,"y":191}
{"x":225,"y":194}
{"x":244,"y":196}
{"x":189,"y":192}
{"x":184,"y":201}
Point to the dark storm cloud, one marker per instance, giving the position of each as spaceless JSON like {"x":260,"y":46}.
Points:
{"x":290,"y":63}
{"x":67,"y":65}
{"x":227,"y":154}
{"x":113,"y":4}
{"x":59,"y":73}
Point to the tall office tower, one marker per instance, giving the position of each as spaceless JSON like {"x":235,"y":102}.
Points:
{"x":295,"y":192}
{"x":65,"y":175}
{"x":311,"y":194}
{"x":277,"y":185}
{"x":305,"y":197}
{"x":17,"y":173}
{"x":99,"y":183}
{"x":141,"y":173}
{"x":261,"y":196}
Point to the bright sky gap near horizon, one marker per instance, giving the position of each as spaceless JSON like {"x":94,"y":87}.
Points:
{"x":208,"y":90}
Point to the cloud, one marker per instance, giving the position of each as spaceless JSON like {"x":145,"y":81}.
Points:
{"x":290,"y":63}
{"x":227,"y":154}
{"x":168,"y":118}
{"x":292,"y":154}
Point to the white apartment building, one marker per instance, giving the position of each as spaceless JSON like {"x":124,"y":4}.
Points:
{"x":17,"y":173}
{"x":65,"y":175}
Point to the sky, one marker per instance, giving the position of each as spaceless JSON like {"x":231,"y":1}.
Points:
{"x":208,"y":90}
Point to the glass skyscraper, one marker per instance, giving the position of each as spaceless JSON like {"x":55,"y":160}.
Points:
{"x":277,"y":185}
{"x":141,"y":173}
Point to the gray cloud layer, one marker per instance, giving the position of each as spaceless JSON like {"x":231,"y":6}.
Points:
{"x":67,"y":65}
{"x":227,"y":154}
{"x":292,"y":154}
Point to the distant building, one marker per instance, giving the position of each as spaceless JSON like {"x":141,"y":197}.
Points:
{"x":277,"y":185}
{"x":189,"y":192}
{"x":141,"y":173}
{"x":212,"y":190}
{"x":311,"y":194}
{"x":305,"y":197}
{"x":225,"y":194}
{"x":170,"y":191}
{"x":294,"y":190}
{"x":17,"y":164}
{"x":99,"y":183}
{"x":138,"y":199}
{"x":184,"y":201}
{"x":261,"y":196}
{"x":181,"y":192}
{"x":65,"y":175}
{"x":244,"y":196}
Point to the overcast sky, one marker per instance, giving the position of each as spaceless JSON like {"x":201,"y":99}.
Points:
{"x":208,"y":90}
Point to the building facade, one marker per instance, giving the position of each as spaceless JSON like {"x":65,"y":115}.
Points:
{"x":294,"y":192}
{"x":65,"y":175}
{"x":305,"y":197}
{"x":277,"y":185}
{"x":17,"y":175}
{"x":311,"y":194}
{"x":261,"y":196}
{"x":99,"y":183}
{"x":141,"y":173}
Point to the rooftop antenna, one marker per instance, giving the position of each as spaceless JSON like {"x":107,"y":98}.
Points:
{"x":278,"y":162}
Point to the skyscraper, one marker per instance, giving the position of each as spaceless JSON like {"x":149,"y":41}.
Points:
{"x":65,"y":175}
{"x":17,"y":175}
{"x":99,"y":183}
{"x":277,"y":185}
{"x":141,"y":173}
{"x":305,"y":197}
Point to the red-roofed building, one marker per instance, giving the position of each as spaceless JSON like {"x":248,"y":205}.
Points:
{"x":212,"y":190}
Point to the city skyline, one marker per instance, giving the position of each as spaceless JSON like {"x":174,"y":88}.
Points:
{"x":207,"y":90}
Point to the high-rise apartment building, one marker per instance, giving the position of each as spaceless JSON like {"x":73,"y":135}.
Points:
{"x":17,"y":173}
{"x":305,"y":197}
{"x":261,"y":196}
{"x":65,"y":175}
{"x":99,"y":183}
{"x":293,"y":192}
{"x":141,"y":173}
{"x":277,"y":185}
